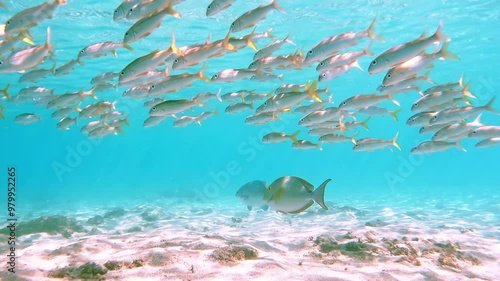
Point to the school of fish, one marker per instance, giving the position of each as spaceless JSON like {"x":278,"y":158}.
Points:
{"x":445,"y":110}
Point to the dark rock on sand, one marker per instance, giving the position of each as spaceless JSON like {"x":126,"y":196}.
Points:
{"x":52,"y":225}
{"x":95,"y":220}
{"x":88,"y":271}
{"x":112,"y":265}
{"x":115,"y":213}
{"x":234,"y":253}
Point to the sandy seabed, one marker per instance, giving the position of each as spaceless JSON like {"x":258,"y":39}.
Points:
{"x":174,"y":239}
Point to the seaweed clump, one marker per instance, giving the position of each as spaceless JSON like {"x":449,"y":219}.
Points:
{"x":95,"y":220}
{"x":354,"y":249}
{"x":52,"y":225}
{"x":233,"y":254}
{"x":115,"y":213}
{"x":408,"y":253}
{"x":86,"y":271}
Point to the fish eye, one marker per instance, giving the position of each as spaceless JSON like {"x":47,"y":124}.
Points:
{"x":310,"y":52}
{"x":131,"y":10}
{"x":154,"y":108}
{"x":344,"y":103}
{"x":473,"y":132}
{"x":415,"y":104}
{"x":126,"y":33}
{"x":301,"y":120}
{"x":388,"y":76}
{"x":8,"y":22}
{"x":435,"y":116}
{"x":324,"y":74}
{"x":122,"y":73}
{"x":321,"y":63}
{"x":116,"y":11}
{"x":232,"y":24}
{"x":215,"y":76}
{"x":374,"y":62}
{"x":176,"y":61}
{"x":209,"y":7}
{"x":152,"y":86}
{"x":265,"y":103}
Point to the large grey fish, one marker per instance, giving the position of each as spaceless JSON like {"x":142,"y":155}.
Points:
{"x":252,"y":195}
{"x":294,"y":195}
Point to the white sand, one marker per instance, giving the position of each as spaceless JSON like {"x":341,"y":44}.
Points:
{"x":179,"y":244}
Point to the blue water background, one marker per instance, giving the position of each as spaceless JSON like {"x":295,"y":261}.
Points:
{"x":168,"y":161}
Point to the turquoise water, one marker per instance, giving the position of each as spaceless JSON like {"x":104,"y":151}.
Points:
{"x":193,"y":173}
{"x":169,"y":160}
{"x":164,"y":159}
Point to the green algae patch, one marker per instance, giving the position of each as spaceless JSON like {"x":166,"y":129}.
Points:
{"x":87,"y":271}
{"x":52,"y":225}
{"x":234,"y":253}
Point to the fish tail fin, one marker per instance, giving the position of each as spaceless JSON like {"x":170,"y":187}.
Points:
{"x":128,"y":47}
{"x":24,"y":35}
{"x":466,"y":91}
{"x":366,"y":50}
{"x":439,"y":33}
{"x":5,"y":91}
{"x":341,"y":124}
{"x":459,"y":146}
{"x":47,"y":42}
{"x":91,"y":93}
{"x":394,"y":114}
{"x":249,"y":41}
{"x":201,"y":74}
{"x":268,"y":34}
{"x":426,"y":77}
{"x":356,"y":65}
{"x":77,"y":108}
{"x":445,"y":54}
{"x":311,"y":90}
{"x":251,"y":105}
{"x":389,"y":96}
{"x":80,"y":62}
{"x":119,"y":130}
{"x":170,"y":11}
{"x":394,"y":141}
{"x":365,"y":123}
{"x":461,"y":81}
{"x":371,"y":32}
{"x":318,"y":195}
{"x":293,"y":136}
{"x":476,"y":122}
{"x":218,"y":95}
{"x":226,"y":44}
{"x":353,"y":138}
{"x":173,"y":48}
{"x":287,"y":39}
{"x":53,"y":68}
{"x":489,"y":106}
{"x":275,"y":6}
{"x":466,"y":100}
